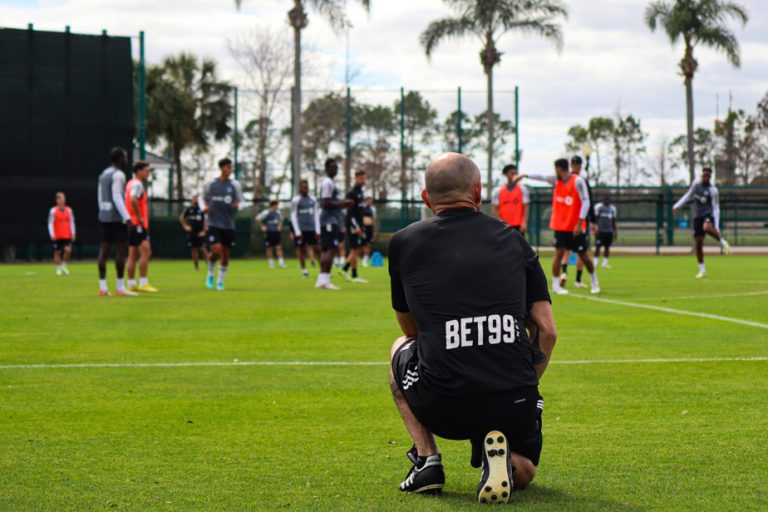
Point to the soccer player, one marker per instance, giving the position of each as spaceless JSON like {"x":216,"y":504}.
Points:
{"x":271,"y":222}
{"x":139,"y":250}
{"x":706,"y":215}
{"x":305,"y":225}
{"x":511,"y":202}
{"x":193,"y":221}
{"x":369,"y":226}
{"x":605,"y":230}
{"x":114,"y":220}
{"x":576,"y":166}
{"x":341,"y":246}
{"x":464,"y":288}
{"x":220,"y":200}
{"x":570,"y":207}
{"x":330,"y":224}
{"x":355,"y":232}
{"x":61,"y":228}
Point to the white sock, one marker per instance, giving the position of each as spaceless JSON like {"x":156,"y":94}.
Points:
{"x":131,"y":283}
{"x":222,"y":273}
{"x":120,"y":284}
{"x":593,"y":279}
{"x":555,"y":283}
{"x":102,"y":285}
{"x":143,"y":281}
{"x":211,"y":269}
{"x":271,"y":262}
{"x":281,"y":261}
{"x":594,"y":261}
{"x":722,"y":241}
{"x":605,"y":261}
{"x":702,"y":268}
{"x":304,"y":272}
{"x":323,"y":278}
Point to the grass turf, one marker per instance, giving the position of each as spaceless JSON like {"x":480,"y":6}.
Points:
{"x":618,"y":436}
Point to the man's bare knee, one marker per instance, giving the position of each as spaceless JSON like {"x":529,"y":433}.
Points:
{"x":396,"y":345}
{"x":524,"y":474}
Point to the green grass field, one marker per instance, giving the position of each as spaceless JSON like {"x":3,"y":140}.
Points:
{"x":629,"y":436}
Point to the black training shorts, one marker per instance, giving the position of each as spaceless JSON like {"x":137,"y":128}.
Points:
{"x":515,"y":413}
{"x":604,"y":239}
{"x":194,"y":241}
{"x":307,"y":238}
{"x":114,"y":232}
{"x":329,"y":237}
{"x":698,"y":224}
{"x":368,"y":234}
{"x":272,"y":239}
{"x":580,"y":243}
{"x":563,"y":240}
{"x":62,"y":243}
{"x":136,"y":235}
{"x":225,"y":237}
{"x":355,"y":240}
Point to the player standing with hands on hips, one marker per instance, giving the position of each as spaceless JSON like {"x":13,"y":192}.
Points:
{"x":61,"y":228}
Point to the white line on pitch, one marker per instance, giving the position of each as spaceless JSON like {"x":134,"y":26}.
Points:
{"x":355,"y":363}
{"x":673,"y":311}
{"x":684,"y":297}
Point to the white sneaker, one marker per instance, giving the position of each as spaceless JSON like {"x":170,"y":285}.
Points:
{"x":65,"y":271}
{"x":359,"y":280}
{"x":59,"y":272}
{"x":701,"y":275}
{"x":561,"y":291}
{"x":563,"y":279}
{"x":595,"y":290}
{"x":606,"y":265}
{"x":345,"y":275}
{"x":727,"y":248}
{"x":579,"y":284}
{"x":282,"y":265}
{"x":327,"y":286}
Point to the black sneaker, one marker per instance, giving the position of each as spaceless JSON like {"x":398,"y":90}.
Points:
{"x":496,"y":480}
{"x":427,"y":479}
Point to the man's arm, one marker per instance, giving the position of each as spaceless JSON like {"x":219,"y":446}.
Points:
{"x":239,"y":203}
{"x":583,"y":191}
{"x":526,"y":207}
{"x":279,"y":222}
{"x":134,"y":197}
{"x":495,"y":201}
{"x":295,"y":216}
{"x":716,"y":207}
{"x":51,"y":216}
{"x":72,"y":224}
{"x":615,"y":227}
{"x":684,"y":200}
{"x":260,"y":220}
{"x":540,"y":177}
{"x":407,"y":324}
{"x":317,"y":216}
{"x":544,"y":326}
{"x":118,"y":189}
{"x":202,"y":200}
{"x":183,"y":222}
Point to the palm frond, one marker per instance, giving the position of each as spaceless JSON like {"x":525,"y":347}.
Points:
{"x":446,"y":28}
{"x":722,"y":39}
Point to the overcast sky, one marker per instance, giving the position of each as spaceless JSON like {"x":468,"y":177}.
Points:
{"x":610,"y":59}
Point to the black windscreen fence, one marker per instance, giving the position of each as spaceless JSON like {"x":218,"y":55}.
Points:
{"x":65,"y":101}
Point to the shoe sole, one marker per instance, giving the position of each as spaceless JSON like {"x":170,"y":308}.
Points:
{"x":497,"y":486}
{"x":429,"y":489}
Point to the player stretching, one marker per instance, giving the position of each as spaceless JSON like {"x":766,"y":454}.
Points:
{"x":706,"y":215}
{"x":271,"y":222}
{"x":570,"y":207}
{"x":355,"y":228}
{"x":369,"y":225}
{"x":193,"y":222}
{"x":330,"y":224}
{"x":220,"y":200}
{"x":114,"y":220}
{"x":510,"y":202}
{"x":61,"y":227}
{"x":605,"y":230}
{"x":305,"y":223}
{"x":139,"y":250}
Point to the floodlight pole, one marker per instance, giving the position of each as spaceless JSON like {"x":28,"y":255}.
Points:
{"x":517,"y":129}
{"x":237,"y":137}
{"x":402,"y":157}
{"x":142,"y":100}
{"x":348,"y":141}
{"x":460,"y":146}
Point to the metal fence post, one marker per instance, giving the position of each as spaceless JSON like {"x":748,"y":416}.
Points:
{"x":348,"y":142}
{"x":237,"y":136}
{"x":517,"y":124}
{"x":459,"y":134}
{"x":142,"y":100}
{"x":402,"y":157}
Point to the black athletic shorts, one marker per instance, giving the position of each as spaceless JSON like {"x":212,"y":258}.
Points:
{"x":368,"y":234}
{"x":136,"y":235}
{"x":604,"y":239}
{"x":329,"y":237}
{"x":355,"y":240}
{"x":306,"y":239}
{"x":515,"y":413}
{"x":225,"y":237}
{"x":194,"y":241}
{"x":59,"y":245}
{"x":272,"y":239}
{"x":698,"y":224}
{"x":566,"y":240}
{"x":114,"y":232}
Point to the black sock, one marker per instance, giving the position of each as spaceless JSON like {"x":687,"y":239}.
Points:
{"x":565,"y":269}
{"x":354,"y":272}
{"x":578,"y":275}
{"x":346,"y":266}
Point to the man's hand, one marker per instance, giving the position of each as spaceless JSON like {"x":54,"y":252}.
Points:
{"x":523,"y":229}
{"x":674,"y":211}
{"x":188,"y":229}
{"x":53,"y":239}
{"x":206,"y":210}
{"x":235,"y":205}
{"x":317,"y":234}
{"x":348,"y":203}
{"x":201,"y":234}
{"x":577,"y":230}
{"x":358,"y":231}
{"x":74,"y":238}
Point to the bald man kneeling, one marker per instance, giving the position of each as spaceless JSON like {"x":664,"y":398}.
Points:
{"x":471,"y":299}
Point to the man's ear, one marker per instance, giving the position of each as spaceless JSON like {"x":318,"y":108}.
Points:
{"x":478,"y":194}
{"x":425,"y":198}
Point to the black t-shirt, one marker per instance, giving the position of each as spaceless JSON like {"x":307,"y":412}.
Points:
{"x":194,"y":217}
{"x":469,"y":280}
{"x":355,"y":212}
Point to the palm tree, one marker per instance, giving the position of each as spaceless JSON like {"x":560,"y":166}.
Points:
{"x":489,"y":20}
{"x":697,"y":22}
{"x":188,"y":107}
{"x":332,"y":11}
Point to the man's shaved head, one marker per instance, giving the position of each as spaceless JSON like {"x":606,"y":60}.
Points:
{"x":452,"y":178}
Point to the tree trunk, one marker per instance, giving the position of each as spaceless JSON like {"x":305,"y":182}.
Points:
{"x":688,"y":66}
{"x":260,"y":181}
{"x":177,"y":165}
{"x":298,"y":19}
{"x":489,"y":113}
